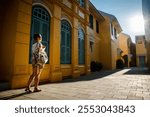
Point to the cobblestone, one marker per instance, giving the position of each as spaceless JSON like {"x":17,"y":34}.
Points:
{"x":127,"y":84}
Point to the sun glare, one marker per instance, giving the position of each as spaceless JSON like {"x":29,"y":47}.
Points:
{"x":137,"y":24}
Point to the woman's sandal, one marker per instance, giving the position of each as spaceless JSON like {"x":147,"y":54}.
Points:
{"x":37,"y":90}
{"x":28,"y":90}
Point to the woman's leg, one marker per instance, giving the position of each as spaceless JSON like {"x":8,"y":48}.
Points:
{"x":37,"y":78}
{"x":31,"y":77}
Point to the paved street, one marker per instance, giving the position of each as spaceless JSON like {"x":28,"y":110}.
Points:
{"x":127,"y":84}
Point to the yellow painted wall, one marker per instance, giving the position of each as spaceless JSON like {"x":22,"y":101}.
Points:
{"x":105,"y":44}
{"x":7,"y":38}
{"x":21,"y":55}
{"x":95,"y":55}
{"x":124,"y":44}
{"x":108,"y":46}
{"x":95,"y":52}
{"x":114,"y":55}
{"x":122,"y":40}
{"x":140,"y":50}
{"x":104,"y":49}
{"x":15,"y":36}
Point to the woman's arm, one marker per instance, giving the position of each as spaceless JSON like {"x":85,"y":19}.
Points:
{"x":39,"y":47}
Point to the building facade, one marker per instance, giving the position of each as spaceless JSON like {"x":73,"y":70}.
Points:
{"x":146,"y":14}
{"x":94,"y":30}
{"x":141,"y":51}
{"x":109,"y":47}
{"x":70,"y":30}
{"x":133,"y":55}
{"x":64,"y":26}
{"x":74,"y":33}
{"x":124,"y":41}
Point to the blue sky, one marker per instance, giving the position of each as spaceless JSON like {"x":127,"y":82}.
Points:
{"x":128,"y":13}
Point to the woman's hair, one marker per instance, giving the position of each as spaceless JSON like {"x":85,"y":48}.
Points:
{"x":37,"y":35}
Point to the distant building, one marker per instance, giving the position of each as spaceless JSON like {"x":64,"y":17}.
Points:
{"x":133,"y":54}
{"x":94,"y":30}
{"x":125,"y":41}
{"x":109,"y":47}
{"x":146,"y":14}
{"x":141,"y":52}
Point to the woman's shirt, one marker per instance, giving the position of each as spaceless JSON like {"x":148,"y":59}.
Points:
{"x":36,"y":49}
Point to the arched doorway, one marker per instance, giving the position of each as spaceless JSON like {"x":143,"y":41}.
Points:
{"x":40,"y":24}
{"x":125,"y":57}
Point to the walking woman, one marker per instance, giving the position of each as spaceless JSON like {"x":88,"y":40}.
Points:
{"x":39,"y":58}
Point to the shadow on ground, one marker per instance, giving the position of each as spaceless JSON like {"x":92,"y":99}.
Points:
{"x":13,"y":96}
{"x":92,"y":76}
{"x":138,"y":71}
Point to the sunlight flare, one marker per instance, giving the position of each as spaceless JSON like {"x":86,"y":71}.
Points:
{"x":136,"y":24}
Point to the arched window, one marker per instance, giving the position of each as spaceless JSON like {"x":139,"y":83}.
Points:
{"x":40,"y":24}
{"x":81,"y":46}
{"x":65,"y":57}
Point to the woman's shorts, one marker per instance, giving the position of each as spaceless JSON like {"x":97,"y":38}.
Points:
{"x":37,"y":64}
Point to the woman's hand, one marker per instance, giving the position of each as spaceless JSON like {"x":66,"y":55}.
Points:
{"x":43,"y":46}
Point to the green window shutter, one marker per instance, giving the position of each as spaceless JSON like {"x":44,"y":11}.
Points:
{"x":81,"y":47}
{"x":40,"y":24}
{"x":91,"y":21}
{"x":65,"y":57}
{"x":35,"y":29}
{"x":45,"y":36}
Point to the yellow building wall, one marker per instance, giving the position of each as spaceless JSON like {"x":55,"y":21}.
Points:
{"x":95,"y":39}
{"x":108,"y":45}
{"x":105,"y":44}
{"x":122,"y":40}
{"x":7,"y":38}
{"x":104,"y":50}
{"x":95,"y":55}
{"x":123,"y":45}
{"x":21,"y":67}
{"x":15,"y":36}
{"x":55,"y":67}
{"x":141,"y":51}
{"x":114,"y":54}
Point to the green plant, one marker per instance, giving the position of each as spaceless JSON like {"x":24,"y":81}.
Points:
{"x":119,"y":64}
{"x":96,"y":66}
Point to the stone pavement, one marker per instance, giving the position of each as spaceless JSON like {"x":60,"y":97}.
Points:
{"x":127,"y":84}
